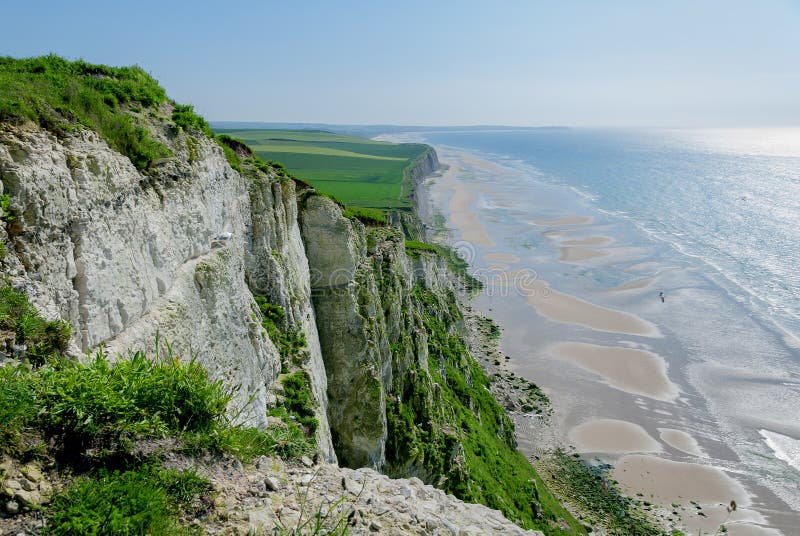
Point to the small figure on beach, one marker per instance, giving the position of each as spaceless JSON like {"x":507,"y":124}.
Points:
{"x":661,"y":295}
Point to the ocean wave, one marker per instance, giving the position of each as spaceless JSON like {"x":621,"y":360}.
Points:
{"x":785,"y":448}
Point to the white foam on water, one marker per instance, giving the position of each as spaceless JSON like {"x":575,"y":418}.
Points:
{"x":785,"y":448}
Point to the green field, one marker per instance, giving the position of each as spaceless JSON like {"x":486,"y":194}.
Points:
{"x":358,"y":171}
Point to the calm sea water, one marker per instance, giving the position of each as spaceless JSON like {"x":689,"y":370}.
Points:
{"x":721,"y":208}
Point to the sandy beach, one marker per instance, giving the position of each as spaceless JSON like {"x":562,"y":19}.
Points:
{"x":578,"y":254}
{"x":678,"y":439}
{"x":589,"y":241}
{"x":601,"y":345}
{"x":634,"y":371}
{"x":612,"y":436}
{"x":461,"y":215}
{"x":562,"y":307}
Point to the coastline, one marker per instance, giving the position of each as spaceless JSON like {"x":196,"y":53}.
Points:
{"x":638,"y":451}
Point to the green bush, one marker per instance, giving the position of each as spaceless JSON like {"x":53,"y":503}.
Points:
{"x":58,"y":94}
{"x":5,"y":206}
{"x":299,"y":399}
{"x":44,"y":339}
{"x":289,"y":343}
{"x":145,"y":501}
{"x":184,"y":116}
{"x":99,"y":405}
{"x":368,"y":216}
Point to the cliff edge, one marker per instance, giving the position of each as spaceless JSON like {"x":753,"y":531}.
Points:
{"x":195,"y":248}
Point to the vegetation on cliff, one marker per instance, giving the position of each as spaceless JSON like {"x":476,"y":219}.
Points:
{"x":59,"y":94}
{"x":445,"y":425}
{"x":23,"y":331}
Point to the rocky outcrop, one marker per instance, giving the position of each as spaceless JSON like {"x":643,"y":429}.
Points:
{"x":275,"y":495}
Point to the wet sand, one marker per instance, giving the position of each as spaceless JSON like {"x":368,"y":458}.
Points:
{"x":612,"y":436}
{"x":508,"y":258}
{"x":570,"y":220}
{"x":635,"y":284}
{"x":597,"y":240}
{"x":634,"y":371}
{"x":667,"y":482}
{"x":577,"y":254}
{"x":680,"y":440}
{"x":571,"y":310}
{"x":461,"y":215}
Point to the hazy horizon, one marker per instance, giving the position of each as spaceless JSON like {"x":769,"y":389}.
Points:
{"x":519,"y":63}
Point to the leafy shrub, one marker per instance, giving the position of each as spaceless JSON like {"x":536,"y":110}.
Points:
{"x":368,"y":216}
{"x":5,"y":206}
{"x":58,"y":94}
{"x":145,"y":501}
{"x":18,"y":406}
{"x":44,"y":339}
{"x":299,"y":399}
{"x":184,"y":116}
{"x":97,"y":404}
{"x":289,"y":342}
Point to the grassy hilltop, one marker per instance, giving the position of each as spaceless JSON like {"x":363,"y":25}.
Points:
{"x":359,"y":171}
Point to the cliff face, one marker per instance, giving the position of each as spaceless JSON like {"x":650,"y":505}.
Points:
{"x":197,"y":255}
{"x":176,"y":255}
{"x":362,"y":282}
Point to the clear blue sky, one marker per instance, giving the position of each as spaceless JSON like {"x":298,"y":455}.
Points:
{"x":525,"y":62}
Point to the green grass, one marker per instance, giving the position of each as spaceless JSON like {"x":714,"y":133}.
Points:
{"x":97,"y":405}
{"x":359,"y":171}
{"x":59,"y":94}
{"x":414,"y":247}
{"x":44,"y":339}
{"x":147,"y":500}
{"x":368,"y":216}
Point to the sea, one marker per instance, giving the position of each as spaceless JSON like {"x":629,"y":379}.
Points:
{"x":711,"y":219}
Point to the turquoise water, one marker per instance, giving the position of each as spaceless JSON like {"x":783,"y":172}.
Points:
{"x":714,"y":218}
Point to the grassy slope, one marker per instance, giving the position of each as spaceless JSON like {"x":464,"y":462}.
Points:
{"x":358,"y":171}
{"x":59,"y":95}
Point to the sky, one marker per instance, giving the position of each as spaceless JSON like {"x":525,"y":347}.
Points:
{"x":673,"y":63}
